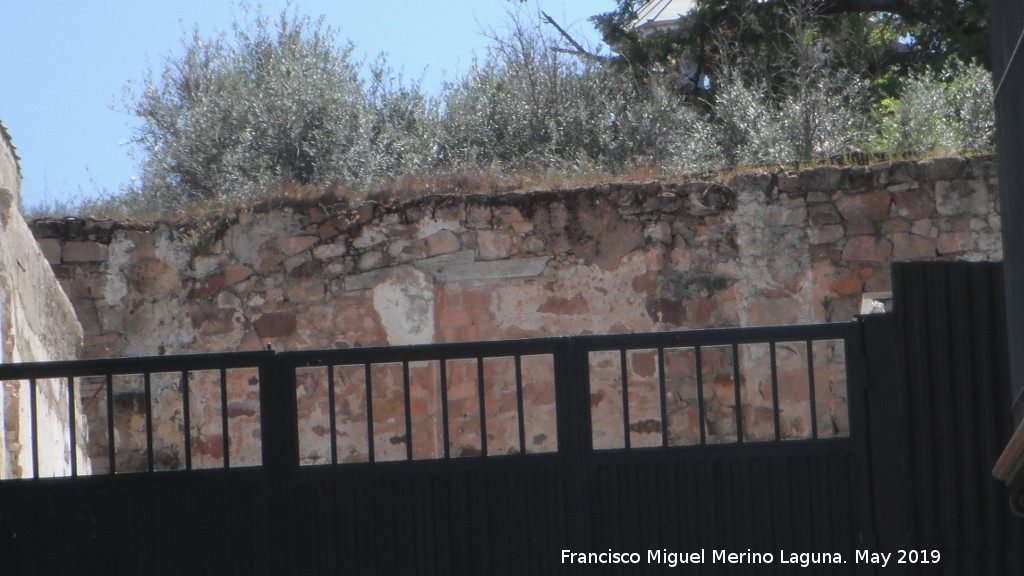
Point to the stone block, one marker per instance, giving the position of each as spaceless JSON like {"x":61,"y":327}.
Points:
{"x":867,"y":248}
{"x":894,"y":225}
{"x":869,"y":206}
{"x":442,"y":242}
{"x":84,"y":252}
{"x":945,"y":168}
{"x":821,"y":179}
{"x":51,"y":249}
{"x":826,"y":234}
{"x":847,"y":284}
{"x":914,"y":203}
{"x":924,"y":228}
{"x":822,"y":214}
{"x":907,"y":246}
{"x":234,"y":274}
{"x":861,"y":227}
{"x":369,"y":236}
{"x":751,"y":183}
{"x":494,"y":244}
{"x":660,"y":232}
{"x":329,"y":251}
{"x":954,"y":242}
{"x":295,"y":244}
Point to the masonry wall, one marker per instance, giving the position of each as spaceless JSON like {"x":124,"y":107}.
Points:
{"x":759,"y":249}
{"x":37,"y":323}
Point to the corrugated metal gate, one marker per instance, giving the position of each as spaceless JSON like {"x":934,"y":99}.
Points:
{"x":516,"y":457}
{"x":675,"y":482}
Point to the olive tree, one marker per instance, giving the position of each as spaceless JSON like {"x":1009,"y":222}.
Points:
{"x":273,"y":100}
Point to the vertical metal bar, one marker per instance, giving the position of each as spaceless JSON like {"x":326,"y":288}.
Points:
{"x":407,"y":388}
{"x":775,"y":390}
{"x":698,"y":367}
{"x":625,"y":397}
{"x":444,"y":407}
{"x":225,"y":437}
{"x":519,"y":404}
{"x":34,"y":426}
{"x":368,"y":378}
{"x":332,"y":416}
{"x":483,"y":404}
{"x":72,"y":427}
{"x":280,"y":450}
{"x":812,"y":399}
{"x":736,"y":391}
{"x":111,"y":445}
{"x":187,"y":417}
{"x":662,"y":395}
{"x":148,"y":385}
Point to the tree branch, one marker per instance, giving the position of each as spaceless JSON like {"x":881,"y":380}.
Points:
{"x":579,"y":49}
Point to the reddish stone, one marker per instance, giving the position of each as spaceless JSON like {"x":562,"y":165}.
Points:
{"x":364,"y":212}
{"x":644,"y":364}
{"x":846,"y":285}
{"x":861,"y":227}
{"x":869,"y":206}
{"x":234,"y":274}
{"x":327,"y":230}
{"x":275,"y":324}
{"x":207,"y":287}
{"x":910,"y":247}
{"x":84,"y":252}
{"x":914,"y":204}
{"x":867,"y":248}
{"x":951,"y":242}
{"x":644,"y":283}
{"x":822,"y":214}
{"x":564,"y":306}
{"x":212,"y":446}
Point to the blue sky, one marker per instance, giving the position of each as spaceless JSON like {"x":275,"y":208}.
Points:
{"x":65,"y":65}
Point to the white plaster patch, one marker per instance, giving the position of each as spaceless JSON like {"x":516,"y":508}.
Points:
{"x":118,"y":259}
{"x":171,"y":251}
{"x":405,"y":303}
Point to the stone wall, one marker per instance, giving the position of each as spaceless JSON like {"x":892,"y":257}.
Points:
{"x":37,"y":323}
{"x":758,"y":249}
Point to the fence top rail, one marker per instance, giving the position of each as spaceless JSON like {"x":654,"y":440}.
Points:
{"x":720,"y":336}
{"x":134,"y":365}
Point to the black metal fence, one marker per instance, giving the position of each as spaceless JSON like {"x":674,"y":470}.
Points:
{"x":481,"y":458}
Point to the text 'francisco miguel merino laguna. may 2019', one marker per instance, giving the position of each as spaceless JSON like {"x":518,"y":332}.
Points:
{"x":715,"y":556}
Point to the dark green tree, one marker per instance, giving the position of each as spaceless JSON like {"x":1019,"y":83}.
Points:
{"x":882,"y":34}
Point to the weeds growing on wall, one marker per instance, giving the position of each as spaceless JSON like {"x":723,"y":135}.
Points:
{"x":280,"y":101}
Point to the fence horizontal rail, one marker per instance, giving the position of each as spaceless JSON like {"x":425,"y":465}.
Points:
{"x":133,"y":365}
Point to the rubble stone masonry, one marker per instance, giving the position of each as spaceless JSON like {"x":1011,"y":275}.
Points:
{"x":757,"y":249}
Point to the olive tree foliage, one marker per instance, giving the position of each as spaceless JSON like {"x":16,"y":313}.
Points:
{"x":527,"y":105}
{"x":804,"y":106}
{"x":948,"y":110}
{"x":275,"y":100}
